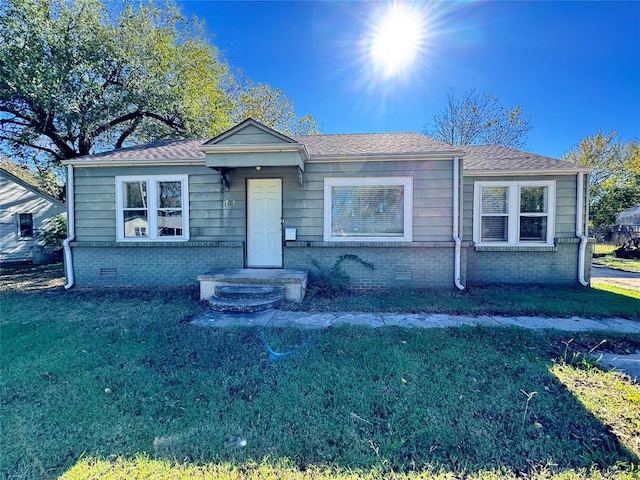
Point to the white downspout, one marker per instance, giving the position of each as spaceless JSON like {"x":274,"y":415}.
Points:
{"x":456,"y":223}
{"x":71,"y":228}
{"x":580,"y":221}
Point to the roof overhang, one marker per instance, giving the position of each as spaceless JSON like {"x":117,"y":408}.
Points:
{"x":224,"y":155}
{"x":511,"y":173}
{"x":387,"y":157}
{"x":137,"y":162}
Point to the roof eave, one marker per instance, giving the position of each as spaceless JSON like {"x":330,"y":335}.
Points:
{"x":255,"y":148}
{"x":546,"y":171}
{"x":386,"y":157}
{"x":133,"y":162}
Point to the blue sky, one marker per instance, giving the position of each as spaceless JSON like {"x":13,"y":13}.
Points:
{"x":574,"y":67}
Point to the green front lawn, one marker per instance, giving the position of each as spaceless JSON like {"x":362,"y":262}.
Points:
{"x":611,"y":261}
{"x":113,"y":384}
{"x":594,"y":302}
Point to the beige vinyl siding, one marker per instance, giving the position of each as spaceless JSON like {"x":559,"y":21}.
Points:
{"x":565,"y":202}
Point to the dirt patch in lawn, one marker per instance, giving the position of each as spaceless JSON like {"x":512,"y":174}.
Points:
{"x":30,"y":277}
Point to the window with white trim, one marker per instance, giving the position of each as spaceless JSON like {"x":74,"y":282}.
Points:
{"x":152,"y":208}
{"x":514,"y":213}
{"x":368,"y":209}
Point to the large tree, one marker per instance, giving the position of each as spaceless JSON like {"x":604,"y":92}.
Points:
{"x":77,"y":77}
{"x":479,"y":119}
{"x":615,"y":181}
{"x":269,"y":106}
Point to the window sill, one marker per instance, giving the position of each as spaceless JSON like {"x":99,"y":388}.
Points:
{"x":356,"y":244}
{"x":151,"y":244}
{"x":516,"y":248}
{"x":152,"y":240}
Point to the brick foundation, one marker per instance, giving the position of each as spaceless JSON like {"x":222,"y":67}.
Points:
{"x":556,"y":265}
{"x":395,"y":265}
{"x":151,"y":264}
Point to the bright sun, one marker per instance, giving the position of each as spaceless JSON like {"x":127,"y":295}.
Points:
{"x":397,"y":39}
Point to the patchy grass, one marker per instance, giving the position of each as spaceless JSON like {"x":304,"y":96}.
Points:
{"x":111,"y":384}
{"x":31,"y":277}
{"x":604,"y":248}
{"x":618,"y":407}
{"x":144,"y":467}
{"x":610,"y":260}
{"x":628,"y":265}
{"x":600,"y":301}
{"x":597,"y":302}
{"x":617,"y":290}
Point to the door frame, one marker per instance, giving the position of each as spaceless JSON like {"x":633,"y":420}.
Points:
{"x":248,"y":229}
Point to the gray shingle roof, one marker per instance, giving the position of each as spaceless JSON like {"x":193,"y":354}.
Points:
{"x":477,"y":157}
{"x":370,"y":144}
{"x":168,"y":149}
{"x":493,"y":157}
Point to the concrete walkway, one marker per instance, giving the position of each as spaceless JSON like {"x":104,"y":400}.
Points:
{"x":305,"y":320}
{"x":617,"y":278}
{"x":629,"y":364}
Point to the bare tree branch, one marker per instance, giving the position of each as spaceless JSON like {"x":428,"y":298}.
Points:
{"x":474,"y":118}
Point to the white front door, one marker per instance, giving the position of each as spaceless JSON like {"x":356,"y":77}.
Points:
{"x":264,"y":222}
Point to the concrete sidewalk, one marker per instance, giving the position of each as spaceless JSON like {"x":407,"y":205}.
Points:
{"x":306,"y":320}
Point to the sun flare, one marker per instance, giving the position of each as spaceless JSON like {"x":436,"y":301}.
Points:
{"x":397,"y":39}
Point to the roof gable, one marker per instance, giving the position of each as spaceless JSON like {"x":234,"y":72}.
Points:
{"x":249,"y":132}
{"x":251,"y":144}
{"x":27,"y":186}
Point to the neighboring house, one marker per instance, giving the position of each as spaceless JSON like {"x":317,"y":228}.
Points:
{"x":24,"y":209}
{"x":423,"y":213}
{"x":630,"y":218}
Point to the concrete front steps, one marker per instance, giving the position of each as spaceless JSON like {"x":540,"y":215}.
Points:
{"x":251,"y":290}
{"x":245,"y":298}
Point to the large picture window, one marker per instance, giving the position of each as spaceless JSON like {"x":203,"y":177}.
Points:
{"x":368,"y":209}
{"x":514,"y":213}
{"x":152,"y":208}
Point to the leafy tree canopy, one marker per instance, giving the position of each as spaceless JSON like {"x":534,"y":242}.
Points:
{"x":269,"y":106}
{"x":47,"y":180}
{"x":479,"y":119}
{"x":81,"y":76}
{"x":615,"y":181}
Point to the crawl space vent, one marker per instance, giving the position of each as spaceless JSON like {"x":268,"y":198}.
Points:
{"x":403,"y":275}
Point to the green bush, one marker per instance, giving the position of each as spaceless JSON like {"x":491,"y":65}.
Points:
{"x":331,"y":282}
{"x":54,"y":231}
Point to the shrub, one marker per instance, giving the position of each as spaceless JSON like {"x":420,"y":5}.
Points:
{"x":330,"y":282}
{"x":54,"y":231}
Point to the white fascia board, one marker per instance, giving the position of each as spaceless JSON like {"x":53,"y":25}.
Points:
{"x":503,"y":173}
{"x":384,"y":157}
{"x":124,"y":162}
